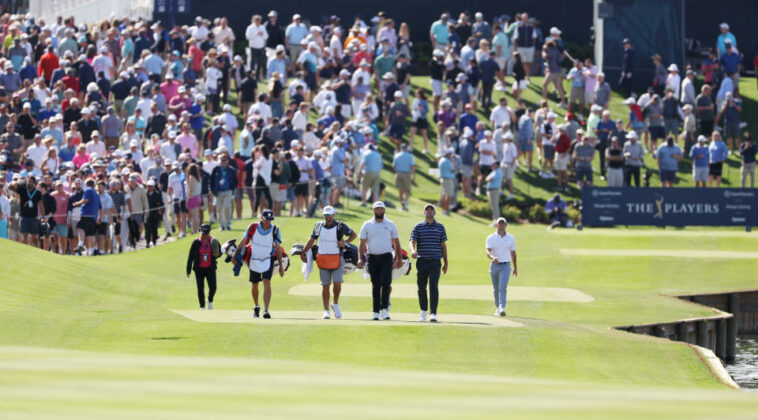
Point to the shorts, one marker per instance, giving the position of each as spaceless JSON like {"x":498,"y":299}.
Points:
{"x":657,"y":132}
{"x":277,"y":194}
{"x":509,"y":172}
{"x":138,"y":218}
{"x":589,"y":97}
{"x":335,"y":275}
{"x":102,"y":228}
{"x":714,"y":169}
{"x":403,"y":181}
{"x":238,"y":193}
{"x":525,"y":145}
{"x":301,"y":189}
{"x":553,"y":78}
{"x":436,"y":87}
{"x":371,"y":180}
{"x":527,"y":54}
{"x":576,"y":95}
{"x":397,"y":130}
{"x":87,"y":224}
{"x":485,"y":170}
{"x":291,"y":193}
{"x":671,"y":125}
{"x":548,"y":152}
{"x":256,"y":277}
{"x":447,"y":187}
{"x":467,"y":171}
{"x":700,"y":174}
{"x":180,"y":206}
{"x":338,"y":181}
{"x":500,"y":62}
{"x":667,"y":175}
{"x":732,"y":130}
{"x":583,"y":174}
{"x":421,"y":123}
{"x":561,"y":161}
{"x":29,"y":225}
{"x":61,"y":230}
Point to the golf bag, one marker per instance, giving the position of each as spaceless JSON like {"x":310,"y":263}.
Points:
{"x":349,"y":254}
{"x":243,"y":258}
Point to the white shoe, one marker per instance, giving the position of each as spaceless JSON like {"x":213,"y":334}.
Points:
{"x":502,"y":311}
{"x":497,"y":311}
{"x":385,"y":314}
{"x":209,"y":305}
{"x":326,"y":315}
{"x":337,"y":310}
{"x":422,"y":316}
{"x":433,"y":318}
{"x":376,"y":316}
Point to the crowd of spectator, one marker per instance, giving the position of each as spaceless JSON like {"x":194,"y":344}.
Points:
{"x":110,"y":131}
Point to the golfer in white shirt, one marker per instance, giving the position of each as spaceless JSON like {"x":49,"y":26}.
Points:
{"x":501,"y":250}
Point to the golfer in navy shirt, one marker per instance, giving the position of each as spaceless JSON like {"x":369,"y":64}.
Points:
{"x":427,"y":244}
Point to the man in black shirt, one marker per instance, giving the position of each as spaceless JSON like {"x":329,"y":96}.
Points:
{"x":437,"y":75}
{"x":155,"y":123}
{"x":247,"y":92}
{"x":275,"y":31}
{"x":30,"y":207}
{"x":49,"y":206}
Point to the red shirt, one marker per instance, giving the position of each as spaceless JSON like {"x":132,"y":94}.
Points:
{"x":197,"y":58}
{"x":564,"y":144}
{"x":71,"y":82}
{"x":47,"y":64}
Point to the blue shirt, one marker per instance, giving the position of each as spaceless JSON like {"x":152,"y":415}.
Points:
{"x":497,"y":180}
{"x":153,"y":64}
{"x":428,"y":237}
{"x":468,"y":120}
{"x":729,"y":62}
{"x":296,"y":33}
{"x":489,"y":68}
{"x":278,"y":66}
{"x":717,"y":151}
{"x":372,"y":161}
{"x":666,"y":155}
{"x":338,"y":159}
{"x":93,"y":202}
{"x":447,"y":171}
{"x":605,"y":125}
{"x":196,"y":122}
{"x":439,"y":32}
{"x":403,"y":161}
{"x":577,"y":80}
{"x":466,"y":150}
{"x":261,"y":231}
{"x":699,"y":156}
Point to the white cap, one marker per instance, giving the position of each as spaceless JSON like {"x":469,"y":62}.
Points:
{"x":388,"y":76}
{"x":449,"y":151}
{"x":295,"y":144}
{"x":133,"y":143}
{"x":724,"y":25}
{"x":552,"y":114}
{"x":172,"y":134}
{"x":151,"y":183}
{"x":328,"y":211}
{"x":85,"y":111}
{"x":398,"y":94}
{"x":227,"y":107}
{"x":378,"y":204}
{"x":438,"y":53}
{"x":702,"y":139}
{"x":631,"y":135}
{"x":344,"y":72}
{"x":315,"y":28}
{"x":181,"y":89}
{"x":502,"y":219}
{"x":508,"y":135}
{"x":674,"y":67}
{"x":95,"y":133}
{"x":629,"y":101}
{"x":555,"y":31}
{"x":487,"y":133}
{"x":596,"y":107}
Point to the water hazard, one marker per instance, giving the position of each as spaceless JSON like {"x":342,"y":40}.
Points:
{"x":744,"y":370}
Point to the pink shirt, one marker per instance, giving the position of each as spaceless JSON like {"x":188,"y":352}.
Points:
{"x":80,"y":160}
{"x":61,"y":205}
{"x":187,"y":141}
{"x":169,"y":90}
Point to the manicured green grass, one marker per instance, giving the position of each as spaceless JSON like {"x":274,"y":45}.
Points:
{"x":87,"y":336}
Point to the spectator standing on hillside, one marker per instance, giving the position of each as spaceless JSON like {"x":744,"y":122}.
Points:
{"x":634,"y":154}
{"x":627,"y":68}
{"x":748,"y":150}
{"x":584,"y":152}
{"x":699,"y":156}
{"x":448,"y":172}
{"x":668,"y":156}
{"x":717,"y":154}
{"x":615,"y":158}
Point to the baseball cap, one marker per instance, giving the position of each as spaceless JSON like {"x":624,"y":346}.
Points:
{"x":328,"y":211}
{"x":429,"y":205}
{"x":151,"y":183}
{"x":205,"y":229}
{"x":502,"y":219}
{"x":267,"y":214}
{"x":701,"y":139}
{"x":378,"y":205}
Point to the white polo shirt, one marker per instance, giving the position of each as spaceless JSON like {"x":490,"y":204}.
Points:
{"x":501,"y":246}
{"x":379,"y":235}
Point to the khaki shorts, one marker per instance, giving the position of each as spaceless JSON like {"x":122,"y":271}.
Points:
{"x":447,"y":187}
{"x":553,"y":78}
{"x":561,"y":161}
{"x":576,"y":95}
{"x":403,"y":181}
{"x":500,"y":62}
{"x":371,"y":181}
{"x":527,"y":54}
{"x":509,"y":172}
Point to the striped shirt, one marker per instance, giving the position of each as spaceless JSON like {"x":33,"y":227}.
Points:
{"x":428,"y":237}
